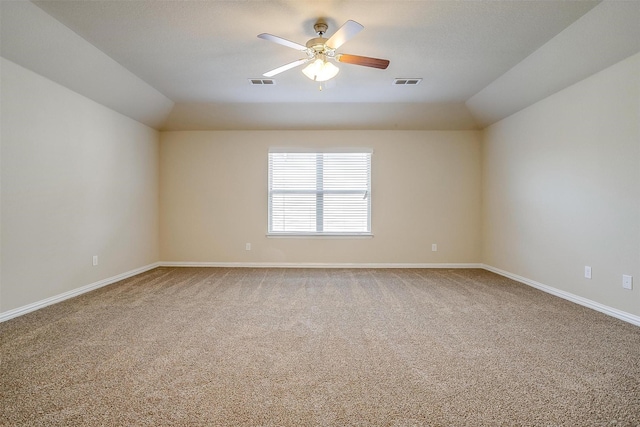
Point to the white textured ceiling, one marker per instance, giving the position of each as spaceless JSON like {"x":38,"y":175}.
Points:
{"x":204,"y":51}
{"x":200,"y":54}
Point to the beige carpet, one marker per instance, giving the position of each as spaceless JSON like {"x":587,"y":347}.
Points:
{"x":312,"y":347}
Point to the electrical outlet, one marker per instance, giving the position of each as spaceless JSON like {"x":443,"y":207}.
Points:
{"x":587,"y":272}
{"x":95,"y":260}
{"x":247,"y":246}
{"x":627,"y":282}
{"x":434,"y":247}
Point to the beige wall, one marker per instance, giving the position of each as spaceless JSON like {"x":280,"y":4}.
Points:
{"x":77,"y":180}
{"x":561,"y":189}
{"x":540,"y":194}
{"x":425,"y":189}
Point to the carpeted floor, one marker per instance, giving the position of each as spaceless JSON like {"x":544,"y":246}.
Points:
{"x":314,"y":347}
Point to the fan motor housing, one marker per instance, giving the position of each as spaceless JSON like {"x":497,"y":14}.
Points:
{"x":318,"y":45}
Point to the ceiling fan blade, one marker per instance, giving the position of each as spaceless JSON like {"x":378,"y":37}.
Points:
{"x":286,"y":67}
{"x":363,"y":60}
{"x":283,"y":42}
{"x":344,"y":34}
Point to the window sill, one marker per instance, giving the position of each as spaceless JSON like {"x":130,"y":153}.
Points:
{"x":320,"y":236}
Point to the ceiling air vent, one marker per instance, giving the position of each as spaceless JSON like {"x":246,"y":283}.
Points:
{"x":407,"y":82}
{"x":261,"y":82}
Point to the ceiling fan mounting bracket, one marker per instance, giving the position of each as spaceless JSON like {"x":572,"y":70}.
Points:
{"x":320,"y":28}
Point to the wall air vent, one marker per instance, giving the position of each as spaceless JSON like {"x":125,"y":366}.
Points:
{"x":406,"y":82}
{"x":261,"y":82}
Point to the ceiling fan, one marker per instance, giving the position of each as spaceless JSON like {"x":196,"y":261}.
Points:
{"x":319,"y":50}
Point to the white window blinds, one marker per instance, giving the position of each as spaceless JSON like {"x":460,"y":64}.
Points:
{"x":319,"y":192}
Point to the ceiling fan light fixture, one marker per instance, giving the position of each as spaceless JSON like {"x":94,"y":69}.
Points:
{"x":320,"y":70}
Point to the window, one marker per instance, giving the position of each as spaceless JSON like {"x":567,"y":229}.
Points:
{"x":320,"y":193}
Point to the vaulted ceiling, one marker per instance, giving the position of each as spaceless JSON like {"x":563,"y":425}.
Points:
{"x":199,"y":57}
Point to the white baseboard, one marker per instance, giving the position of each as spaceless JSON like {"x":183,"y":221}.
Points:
{"x":316,"y":265}
{"x":75,"y":292}
{"x":627,"y":317}
{"x":618,"y":314}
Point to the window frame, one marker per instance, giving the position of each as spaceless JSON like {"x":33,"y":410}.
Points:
{"x":320,"y":234}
